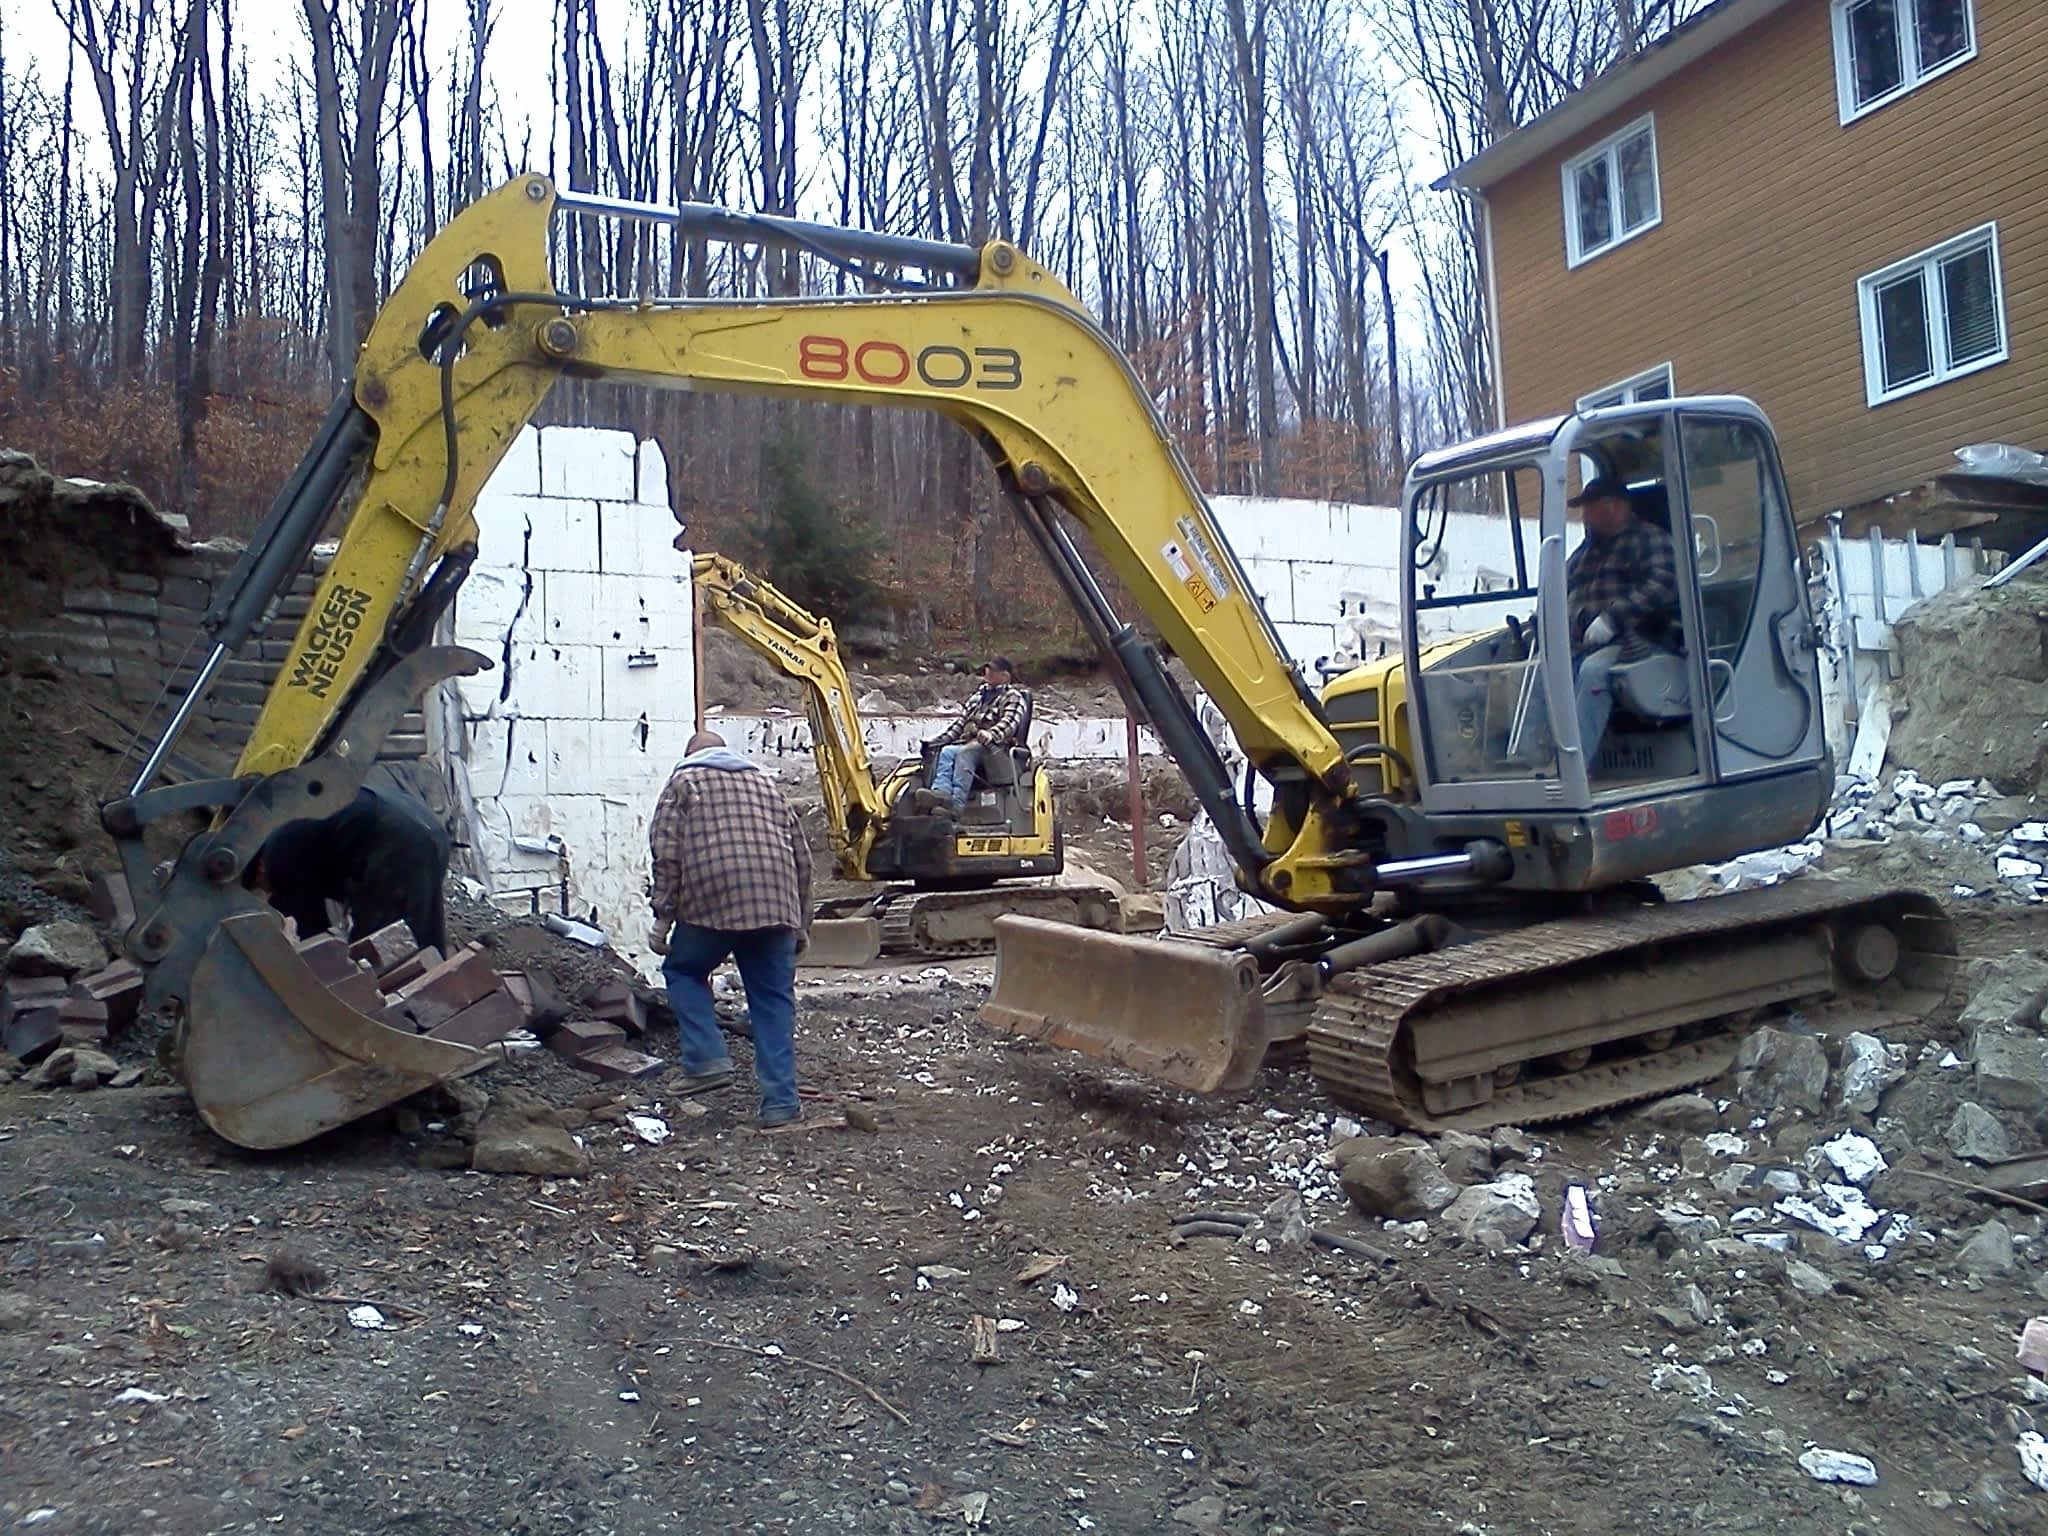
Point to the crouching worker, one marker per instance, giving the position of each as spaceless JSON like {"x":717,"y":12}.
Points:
{"x":383,"y":856}
{"x":732,"y":877}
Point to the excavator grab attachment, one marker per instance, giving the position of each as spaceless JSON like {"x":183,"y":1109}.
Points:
{"x":1185,"y":1014}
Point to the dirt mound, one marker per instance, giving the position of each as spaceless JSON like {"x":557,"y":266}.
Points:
{"x":57,"y":533}
{"x":1973,"y":701}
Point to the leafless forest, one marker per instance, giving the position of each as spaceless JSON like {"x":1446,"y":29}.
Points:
{"x":203,"y":201}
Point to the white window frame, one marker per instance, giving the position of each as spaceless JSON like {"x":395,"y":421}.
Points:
{"x":1626,"y":388}
{"x":1928,"y":264}
{"x":1911,"y":77}
{"x":1575,"y":255}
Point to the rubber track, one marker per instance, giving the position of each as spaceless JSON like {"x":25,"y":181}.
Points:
{"x":903,"y":919}
{"x":1356,"y":1038}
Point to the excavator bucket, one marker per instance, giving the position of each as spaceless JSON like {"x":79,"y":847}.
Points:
{"x":843,"y":941}
{"x":273,"y":1057}
{"x":1186,"y":1014}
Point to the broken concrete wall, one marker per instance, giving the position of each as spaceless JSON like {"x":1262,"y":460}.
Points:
{"x":582,"y":599}
{"x":782,"y":743}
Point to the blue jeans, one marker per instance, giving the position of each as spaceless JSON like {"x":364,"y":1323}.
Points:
{"x":1594,"y":691}
{"x":954,"y":774}
{"x":767,"y":961}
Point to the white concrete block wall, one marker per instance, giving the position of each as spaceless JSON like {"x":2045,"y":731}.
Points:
{"x":578,"y":579}
{"x":782,"y":742}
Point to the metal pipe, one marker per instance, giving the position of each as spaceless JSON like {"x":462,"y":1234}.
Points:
{"x":713,"y":222}
{"x":216,"y":658}
{"x":1838,"y":576}
{"x":1405,"y":871}
{"x":2019,"y":565}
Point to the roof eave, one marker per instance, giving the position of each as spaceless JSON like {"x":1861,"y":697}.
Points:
{"x":1609,"y":94}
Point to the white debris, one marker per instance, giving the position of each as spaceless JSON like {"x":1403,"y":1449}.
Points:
{"x":1691,"y":1378}
{"x":1065,"y":1297}
{"x":629,"y":1396}
{"x":1850,"y":1219}
{"x":1009,"y":1325}
{"x":2019,"y":869}
{"x":1724,"y":1144}
{"x":1825,"y":1466}
{"x":1249,"y":1309}
{"x":366,"y":1317}
{"x":1855,"y":1157}
{"x":936,"y":1272}
{"x":138,"y":1395}
{"x":651,"y":1129}
{"x":470,"y":1330}
{"x":38,"y":1516}
{"x":2033,"y":1451}
{"x":935,"y":973}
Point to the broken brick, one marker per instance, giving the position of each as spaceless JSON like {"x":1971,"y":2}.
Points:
{"x":110,"y":902}
{"x":119,"y":988}
{"x":484,"y":1022}
{"x":618,"y":1061}
{"x":82,"y":1018}
{"x":28,"y":1015}
{"x":359,"y":990}
{"x":410,"y":969}
{"x":617,"y":1003}
{"x":327,"y":954}
{"x":387,"y":947}
{"x":463,"y":978}
{"x":579,"y":1037}
{"x":515,"y":982}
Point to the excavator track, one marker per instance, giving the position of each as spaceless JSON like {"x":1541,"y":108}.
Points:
{"x":948,"y":924}
{"x":1624,"y":1007}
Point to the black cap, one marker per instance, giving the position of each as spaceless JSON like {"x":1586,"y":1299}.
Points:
{"x":1599,"y":488}
{"x":999,"y":664}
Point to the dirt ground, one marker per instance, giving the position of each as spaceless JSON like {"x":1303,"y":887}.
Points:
{"x":738,"y":1330}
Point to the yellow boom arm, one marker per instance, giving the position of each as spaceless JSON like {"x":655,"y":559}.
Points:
{"x":804,"y":647}
{"x":448,"y":381}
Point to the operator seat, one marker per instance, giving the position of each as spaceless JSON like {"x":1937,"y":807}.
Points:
{"x":1003,"y":767}
{"x":1655,"y":689}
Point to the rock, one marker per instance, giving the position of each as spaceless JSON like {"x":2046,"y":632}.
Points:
{"x":1283,"y":1224}
{"x":1867,"y":1070}
{"x":75,"y":1066}
{"x":2011,"y":1067}
{"x":1467,"y":1159}
{"x":1855,"y":1157}
{"x":16,"y":1311}
{"x":1509,"y":1142}
{"x":1807,"y":1280}
{"x":1397,"y":1182}
{"x":1682,"y":1114}
{"x":1496,"y":1215}
{"x":1825,"y":1466}
{"x":1204,"y":1514}
{"x":1778,"y":1070}
{"x":519,"y":1134}
{"x":58,"y":949}
{"x":127,"y":1077}
{"x":446,"y":1156}
{"x":2007,"y":995}
{"x":1976,"y":1135}
{"x":1988,"y":1252}
{"x":1689,"y":1224}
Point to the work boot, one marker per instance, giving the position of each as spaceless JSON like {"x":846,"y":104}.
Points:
{"x":710,"y":1080}
{"x":929,"y":802}
{"x":775,"y":1119}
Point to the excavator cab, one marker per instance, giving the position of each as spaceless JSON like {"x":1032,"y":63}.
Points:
{"x":1709,"y":739}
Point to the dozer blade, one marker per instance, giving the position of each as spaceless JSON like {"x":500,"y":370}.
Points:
{"x":273,"y":1058}
{"x":843,"y":941}
{"x":1185,"y":1014}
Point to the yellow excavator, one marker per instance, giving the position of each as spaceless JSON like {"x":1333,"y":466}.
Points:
{"x":1465,"y":933}
{"x":939,"y":893}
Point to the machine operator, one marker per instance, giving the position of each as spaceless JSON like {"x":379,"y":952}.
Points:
{"x":1621,"y":588}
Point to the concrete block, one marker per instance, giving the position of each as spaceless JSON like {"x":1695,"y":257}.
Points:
{"x":491,"y":597}
{"x":594,"y":462}
{"x":577,"y":819}
{"x":490,"y":1018}
{"x":1273,"y":581}
{"x":654,"y":684}
{"x":82,"y":1019}
{"x":537,"y":533}
{"x":578,"y":1037}
{"x":137,"y":581}
{"x":507,"y":757}
{"x":650,"y":480}
{"x":28,"y":1015}
{"x":186,"y":592}
{"x":556,"y":681}
{"x":1306,"y":642}
{"x":618,"y":1063}
{"x":1319,"y":588}
{"x":636,"y":539}
{"x":636,"y":612}
{"x":101,"y":600}
{"x":518,"y":473}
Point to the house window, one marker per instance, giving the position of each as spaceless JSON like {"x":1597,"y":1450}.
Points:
{"x":1933,"y":317}
{"x":1610,"y":192}
{"x":1884,"y":48}
{"x":1652,"y":384}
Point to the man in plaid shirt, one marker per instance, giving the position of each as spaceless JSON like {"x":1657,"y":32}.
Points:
{"x":992,"y":721}
{"x":732,"y":876}
{"x":1621,"y":597}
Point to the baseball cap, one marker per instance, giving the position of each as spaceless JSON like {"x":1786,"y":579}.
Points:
{"x":999,"y":664}
{"x":1599,"y":488}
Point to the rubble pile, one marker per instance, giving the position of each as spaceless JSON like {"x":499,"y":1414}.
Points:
{"x":62,"y":996}
{"x":1972,"y":698}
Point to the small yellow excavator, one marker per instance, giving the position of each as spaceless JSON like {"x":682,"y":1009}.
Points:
{"x":1466,"y":934}
{"x":939,"y":875}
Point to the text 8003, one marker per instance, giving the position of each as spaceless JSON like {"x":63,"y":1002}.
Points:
{"x":834,"y":359}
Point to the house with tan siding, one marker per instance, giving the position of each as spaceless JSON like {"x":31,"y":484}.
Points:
{"x":1836,"y":207}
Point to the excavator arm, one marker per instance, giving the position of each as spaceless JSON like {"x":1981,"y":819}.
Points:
{"x":804,"y":647}
{"x":461,"y":357}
